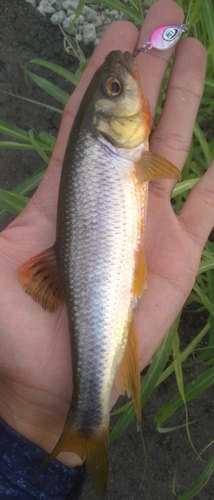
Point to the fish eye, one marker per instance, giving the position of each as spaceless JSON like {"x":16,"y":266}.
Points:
{"x":113,"y":86}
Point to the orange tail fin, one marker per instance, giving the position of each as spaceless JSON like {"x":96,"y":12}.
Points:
{"x":91,"y":447}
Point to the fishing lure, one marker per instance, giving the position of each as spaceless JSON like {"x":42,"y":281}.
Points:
{"x":164,"y":37}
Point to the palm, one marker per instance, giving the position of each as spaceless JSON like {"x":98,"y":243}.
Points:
{"x":35,"y":353}
{"x":32,"y":334}
{"x":171,"y":272}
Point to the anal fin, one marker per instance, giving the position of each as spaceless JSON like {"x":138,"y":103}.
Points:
{"x":128,"y":373}
{"x":39,"y":277}
{"x":140,"y":275}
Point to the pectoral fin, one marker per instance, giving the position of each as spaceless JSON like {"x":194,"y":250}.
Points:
{"x":39,"y":277}
{"x":128,"y":374}
{"x":152,"y":166}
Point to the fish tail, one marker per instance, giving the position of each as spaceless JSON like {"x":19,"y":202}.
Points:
{"x":91,"y":447}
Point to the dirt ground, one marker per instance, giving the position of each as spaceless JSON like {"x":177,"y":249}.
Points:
{"x":24,"y":35}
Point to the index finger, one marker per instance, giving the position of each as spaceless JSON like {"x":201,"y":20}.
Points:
{"x":153,"y":64}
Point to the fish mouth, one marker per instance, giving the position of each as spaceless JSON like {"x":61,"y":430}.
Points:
{"x":125,"y":58}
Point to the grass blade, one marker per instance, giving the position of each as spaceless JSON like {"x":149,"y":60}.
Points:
{"x":51,"y":89}
{"x":180,"y":383}
{"x":31,"y":182}
{"x":204,"y":144}
{"x":184,"y":186}
{"x":178,"y":366}
{"x":137,"y":6}
{"x":47,"y":138}
{"x":200,"y":483}
{"x":12,"y":202}
{"x":32,"y":101}
{"x":184,"y":355}
{"x":191,"y":391}
{"x":27,"y":185}
{"x":208,"y":15}
{"x":209,"y":82}
{"x":14,"y":132}
{"x":122,"y":423}
{"x":15,"y":145}
{"x":165,"y":430}
{"x":38,"y":148}
{"x":204,"y":299}
{"x":158,"y":362}
{"x":67,"y":75}
{"x":77,"y":12}
{"x":205,"y":265}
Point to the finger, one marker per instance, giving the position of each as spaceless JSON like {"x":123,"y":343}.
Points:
{"x":153,"y":64}
{"x":197,"y":215}
{"x":173,"y":135}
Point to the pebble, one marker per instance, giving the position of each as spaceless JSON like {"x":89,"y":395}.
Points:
{"x":114,"y":14}
{"x":90,"y":25}
{"x":89,"y":34}
{"x":78,"y":38}
{"x":81,"y":19}
{"x":66,"y":5}
{"x":58,"y":17}
{"x":41,"y":10}
{"x":67,"y":22}
{"x":89,"y":14}
{"x":32,"y":2}
{"x":48,"y":9}
{"x":74,"y":5}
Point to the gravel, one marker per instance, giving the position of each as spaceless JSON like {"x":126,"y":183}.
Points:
{"x":89,"y":27}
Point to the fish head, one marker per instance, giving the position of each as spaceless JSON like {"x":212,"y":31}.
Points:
{"x":119,"y":109}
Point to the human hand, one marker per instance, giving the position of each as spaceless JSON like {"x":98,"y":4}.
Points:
{"x":36,"y":373}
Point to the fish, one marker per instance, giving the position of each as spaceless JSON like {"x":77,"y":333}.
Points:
{"x":97,"y":264}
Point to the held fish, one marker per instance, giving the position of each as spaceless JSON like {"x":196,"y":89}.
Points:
{"x":97,"y":263}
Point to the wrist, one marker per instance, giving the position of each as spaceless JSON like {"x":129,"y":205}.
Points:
{"x":37,"y":416}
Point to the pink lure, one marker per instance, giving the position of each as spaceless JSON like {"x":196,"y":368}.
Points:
{"x":164,"y":37}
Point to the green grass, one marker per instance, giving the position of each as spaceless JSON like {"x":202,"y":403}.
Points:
{"x":169,"y":360}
